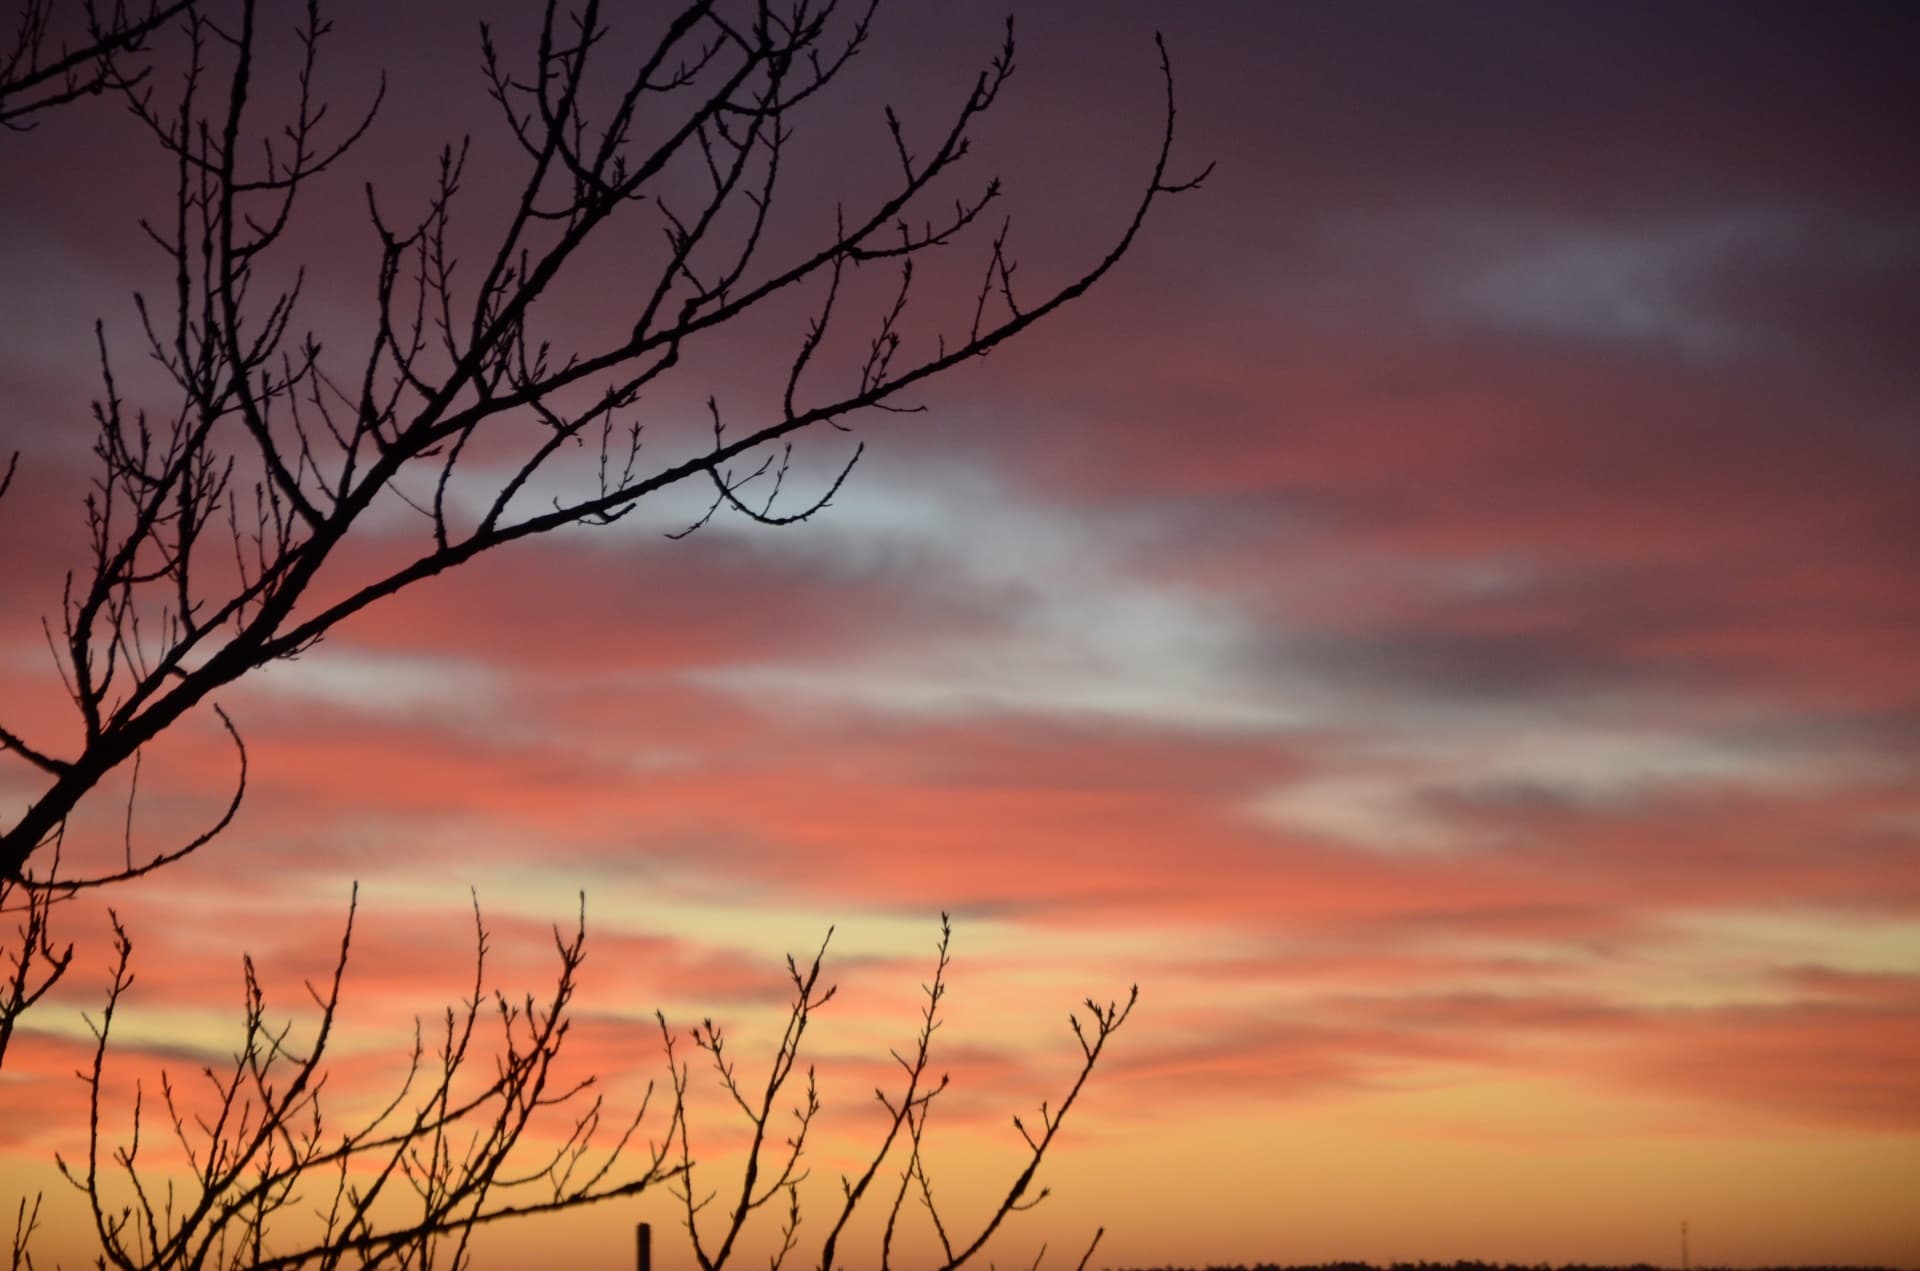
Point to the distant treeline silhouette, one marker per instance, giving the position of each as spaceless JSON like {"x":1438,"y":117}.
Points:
{"x":1487,"y":1266}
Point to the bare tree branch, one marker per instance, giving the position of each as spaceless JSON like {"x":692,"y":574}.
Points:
{"x":208,"y":527}
{"x":273,"y":1182}
{"x":210,"y":519}
{"x":43,"y":68}
{"x":459,"y":1154}
{"x":34,"y":961}
{"x":907,"y":1109}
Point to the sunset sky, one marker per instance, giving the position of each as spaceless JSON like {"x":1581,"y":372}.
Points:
{"x":1442,"y":616}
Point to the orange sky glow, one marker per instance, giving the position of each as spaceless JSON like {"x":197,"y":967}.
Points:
{"x":1443,"y":618}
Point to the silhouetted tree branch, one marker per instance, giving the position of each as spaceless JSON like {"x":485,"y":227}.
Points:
{"x":272,"y":1182}
{"x":216,"y":526}
{"x":210,"y":525}
{"x":907,"y":1110}
{"x":44,"y":66}
{"x":34,"y":962}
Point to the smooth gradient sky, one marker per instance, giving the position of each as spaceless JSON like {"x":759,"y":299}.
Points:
{"x":1443,"y":617}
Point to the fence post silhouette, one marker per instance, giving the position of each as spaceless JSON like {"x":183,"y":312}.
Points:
{"x":643,"y":1246}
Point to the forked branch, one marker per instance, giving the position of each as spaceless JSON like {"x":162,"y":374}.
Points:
{"x":907,"y":1108}
{"x":463,"y":1142}
{"x":209,"y":525}
{"x":273,"y":1179}
{"x":61,"y":53}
